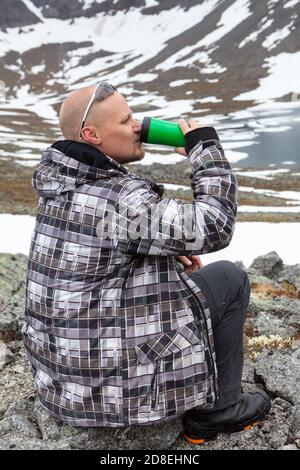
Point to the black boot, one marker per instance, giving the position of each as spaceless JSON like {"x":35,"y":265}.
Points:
{"x":199,"y":426}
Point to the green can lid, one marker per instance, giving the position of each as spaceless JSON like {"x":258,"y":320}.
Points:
{"x":145,"y":129}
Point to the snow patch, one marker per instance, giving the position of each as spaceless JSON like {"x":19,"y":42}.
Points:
{"x":263,"y":174}
{"x":210,"y":99}
{"x":283,"y":78}
{"x":233,"y":16}
{"x":291,"y":4}
{"x":233,"y":156}
{"x":252,"y":239}
{"x":253,"y":36}
{"x":151,"y":3}
{"x":36,"y":11}
{"x":37,"y":68}
{"x":86,"y":4}
{"x":254,"y":209}
{"x":174,"y":187}
{"x":290,"y":195}
{"x":275,"y":38}
{"x":41,"y":105}
{"x":15,"y":234}
{"x":180,"y":82}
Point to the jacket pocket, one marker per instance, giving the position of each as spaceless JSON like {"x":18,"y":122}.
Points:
{"x":168,"y":343}
{"x":170,"y":352}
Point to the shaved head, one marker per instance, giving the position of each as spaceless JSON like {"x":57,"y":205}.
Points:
{"x":109,"y":125}
{"x":72,"y":111}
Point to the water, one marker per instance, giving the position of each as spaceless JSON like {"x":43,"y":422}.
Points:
{"x":269,"y":137}
{"x":262,"y":136}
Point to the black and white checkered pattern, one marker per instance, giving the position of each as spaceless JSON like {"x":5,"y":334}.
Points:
{"x":110,"y":332}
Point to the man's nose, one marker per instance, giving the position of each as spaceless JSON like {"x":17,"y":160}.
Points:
{"x":137,"y":126}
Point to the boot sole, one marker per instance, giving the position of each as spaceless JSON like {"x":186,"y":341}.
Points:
{"x":212,"y":436}
{"x":207,"y":436}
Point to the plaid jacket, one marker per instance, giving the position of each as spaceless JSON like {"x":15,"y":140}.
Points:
{"x":115,"y":332}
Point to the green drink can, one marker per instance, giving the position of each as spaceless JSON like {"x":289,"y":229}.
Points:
{"x":158,"y":131}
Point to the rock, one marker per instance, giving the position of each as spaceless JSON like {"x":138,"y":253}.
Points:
{"x":23,"y":407}
{"x":11,"y":444}
{"x":12,"y":298}
{"x":258,"y":280}
{"x":156,"y":436}
{"x":3,"y":409}
{"x":50,"y":427}
{"x":267,"y":324}
{"x":16,"y":424}
{"x":26,"y":418}
{"x":160,"y":436}
{"x":25,"y":443}
{"x":267,"y":265}
{"x":290,"y":275}
{"x":274,"y":316}
{"x":16,"y":345}
{"x":240,"y":265}
{"x":265,"y":427}
{"x":289,"y":447}
{"x":9,"y":329}
{"x":6,"y":356}
{"x":12,"y":275}
{"x":18,"y":369}
{"x":14,"y":385}
{"x":248,"y":374}
{"x":279,"y":372}
{"x":279,"y":439}
{"x":295,"y":421}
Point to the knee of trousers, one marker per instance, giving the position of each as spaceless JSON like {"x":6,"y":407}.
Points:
{"x":238,"y":278}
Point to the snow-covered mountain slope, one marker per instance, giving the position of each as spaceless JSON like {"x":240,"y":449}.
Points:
{"x":168,"y":58}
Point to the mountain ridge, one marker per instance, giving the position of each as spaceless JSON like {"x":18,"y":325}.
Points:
{"x":212,"y":56}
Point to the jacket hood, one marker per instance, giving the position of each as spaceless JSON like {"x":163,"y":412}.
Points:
{"x":68,"y":164}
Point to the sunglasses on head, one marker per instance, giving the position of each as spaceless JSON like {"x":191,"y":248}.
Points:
{"x":102,"y":91}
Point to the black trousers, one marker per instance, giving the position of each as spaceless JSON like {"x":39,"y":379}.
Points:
{"x":227,"y":288}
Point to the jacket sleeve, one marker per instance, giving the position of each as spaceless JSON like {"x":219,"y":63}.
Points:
{"x":150,"y":225}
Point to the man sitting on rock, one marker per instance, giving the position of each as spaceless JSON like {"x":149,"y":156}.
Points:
{"x":119,"y":330}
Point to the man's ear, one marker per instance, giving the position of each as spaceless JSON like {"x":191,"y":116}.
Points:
{"x":91,"y":135}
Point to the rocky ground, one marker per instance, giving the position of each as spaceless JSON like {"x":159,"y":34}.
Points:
{"x":272,"y":334}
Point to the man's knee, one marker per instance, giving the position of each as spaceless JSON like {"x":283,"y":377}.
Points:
{"x":225,"y":279}
{"x":231,"y":269}
{"x":235,"y":276}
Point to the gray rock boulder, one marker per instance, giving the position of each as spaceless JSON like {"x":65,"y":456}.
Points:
{"x":290,"y":275}
{"x":240,"y":265}
{"x":12,"y":300}
{"x":279,"y":372}
{"x":24,"y":443}
{"x":274,"y":316}
{"x":267,"y":265}
{"x":6,"y":356}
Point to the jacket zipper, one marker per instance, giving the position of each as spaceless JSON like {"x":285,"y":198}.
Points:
{"x":154,"y":391}
{"x":204,"y":317}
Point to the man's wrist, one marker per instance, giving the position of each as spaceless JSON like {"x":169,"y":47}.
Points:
{"x":204,"y":134}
